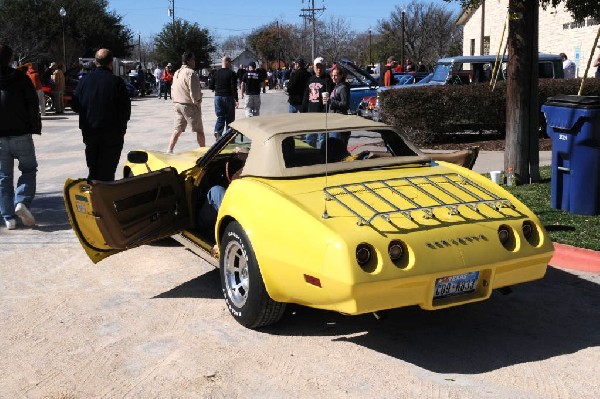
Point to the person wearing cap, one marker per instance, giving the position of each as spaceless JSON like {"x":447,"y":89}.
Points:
{"x":158,"y":74}
{"x":297,"y":85}
{"x":58,"y":77}
{"x":187,"y":97}
{"x":318,"y":83}
{"x":167,"y":80}
{"x":251,"y":86}
{"x":224,"y":84}
{"x":313,"y":101}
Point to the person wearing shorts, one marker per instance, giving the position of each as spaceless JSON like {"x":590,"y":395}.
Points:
{"x":187,"y":96}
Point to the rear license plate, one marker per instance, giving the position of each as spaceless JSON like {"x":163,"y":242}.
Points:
{"x":458,"y":284}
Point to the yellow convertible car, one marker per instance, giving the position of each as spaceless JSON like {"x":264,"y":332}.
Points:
{"x":329,"y":211}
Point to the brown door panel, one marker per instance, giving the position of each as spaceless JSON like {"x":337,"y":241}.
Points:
{"x":140,"y":209}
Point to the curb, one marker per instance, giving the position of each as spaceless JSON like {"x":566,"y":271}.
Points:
{"x":569,"y":257}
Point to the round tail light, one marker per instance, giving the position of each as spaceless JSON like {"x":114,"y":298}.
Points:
{"x":530,"y":233}
{"x":395,"y":250}
{"x":527,"y":229}
{"x":506,"y":237}
{"x":503,"y":234}
{"x":364,"y":253}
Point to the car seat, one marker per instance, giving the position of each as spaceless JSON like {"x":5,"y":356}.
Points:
{"x":334,"y":150}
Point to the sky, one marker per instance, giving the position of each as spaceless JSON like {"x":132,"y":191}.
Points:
{"x":237,"y":17}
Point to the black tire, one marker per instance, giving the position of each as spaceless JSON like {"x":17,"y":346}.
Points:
{"x":243,"y":287}
{"x":49,"y":102}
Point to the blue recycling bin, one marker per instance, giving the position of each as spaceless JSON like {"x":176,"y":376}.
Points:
{"x":573,"y":124}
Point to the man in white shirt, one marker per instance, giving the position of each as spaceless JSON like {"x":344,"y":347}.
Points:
{"x":158,"y":73}
{"x":569,"y":66}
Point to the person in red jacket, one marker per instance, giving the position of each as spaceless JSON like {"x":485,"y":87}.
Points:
{"x":37,"y":84}
{"x":167,"y":79}
{"x":387,"y":72}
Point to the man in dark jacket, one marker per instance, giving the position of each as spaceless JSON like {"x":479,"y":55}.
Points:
{"x":297,"y":85}
{"x":19,"y":113}
{"x":224,"y":84}
{"x":104,"y":107}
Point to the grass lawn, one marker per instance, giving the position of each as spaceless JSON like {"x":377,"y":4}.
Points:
{"x":578,"y":230}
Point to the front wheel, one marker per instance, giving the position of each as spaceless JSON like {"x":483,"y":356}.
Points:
{"x":49,"y":102}
{"x":243,"y":287}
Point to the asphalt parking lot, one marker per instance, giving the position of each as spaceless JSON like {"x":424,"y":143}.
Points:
{"x":151,"y":322}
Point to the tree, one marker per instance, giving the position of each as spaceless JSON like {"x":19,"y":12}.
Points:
{"x":522,"y":111}
{"x":429,"y":32}
{"x":336,"y":39}
{"x":233,"y":45}
{"x":36,"y":34}
{"x":274,"y":42}
{"x":180,"y":36}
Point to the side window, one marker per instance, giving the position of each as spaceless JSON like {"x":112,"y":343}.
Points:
{"x":342,"y":146}
{"x":545,"y":70}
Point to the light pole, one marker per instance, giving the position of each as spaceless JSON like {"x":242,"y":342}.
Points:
{"x":140,"y":45}
{"x":402,"y":41}
{"x":63,"y":13}
{"x":370,"y":43}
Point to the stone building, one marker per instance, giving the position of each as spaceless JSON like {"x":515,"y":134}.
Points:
{"x":558,"y":32}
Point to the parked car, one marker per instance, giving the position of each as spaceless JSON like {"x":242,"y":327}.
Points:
{"x":131,"y":89}
{"x":203,"y":81}
{"x":149,"y":82}
{"x":368,"y":106}
{"x":479,"y":69}
{"x":465,"y":70}
{"x":47,"y":87}
{"x":360,"y":227}
{"x":361,"y":83}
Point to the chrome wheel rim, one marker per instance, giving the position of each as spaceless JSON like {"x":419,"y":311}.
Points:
{"x":236,"y":274}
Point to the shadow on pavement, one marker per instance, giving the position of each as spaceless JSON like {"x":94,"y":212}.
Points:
{"x":539,"y":320}
{"x":50,"y":213}
{"x":207,"y":285}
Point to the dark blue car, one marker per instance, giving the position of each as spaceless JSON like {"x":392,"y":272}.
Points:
{"x":362,"y":84}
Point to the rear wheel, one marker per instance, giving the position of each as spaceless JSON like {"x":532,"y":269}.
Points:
{"x":242,"y":283}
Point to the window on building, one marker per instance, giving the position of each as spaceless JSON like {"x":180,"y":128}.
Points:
{"x":472,"y":47}
{"x":486,"y":45}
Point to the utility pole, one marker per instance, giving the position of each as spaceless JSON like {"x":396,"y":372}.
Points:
{"x":310,"y":14}
{"x":402,"y":40}
{"x":140,"y":45}
{"x":171,"y":11}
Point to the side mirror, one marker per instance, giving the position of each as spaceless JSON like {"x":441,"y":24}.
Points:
{"x":137,"y":156}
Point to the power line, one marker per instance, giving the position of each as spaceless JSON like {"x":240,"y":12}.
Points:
{"x":310,"y":14}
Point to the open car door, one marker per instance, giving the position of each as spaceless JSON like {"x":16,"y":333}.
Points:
{"x":110,"y":217}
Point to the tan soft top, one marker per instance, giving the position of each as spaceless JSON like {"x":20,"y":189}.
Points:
{"x":265,"y":158}
{"x":263,"y":128}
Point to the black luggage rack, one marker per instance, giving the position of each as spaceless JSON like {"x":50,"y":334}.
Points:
{"x":344,"y":194}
